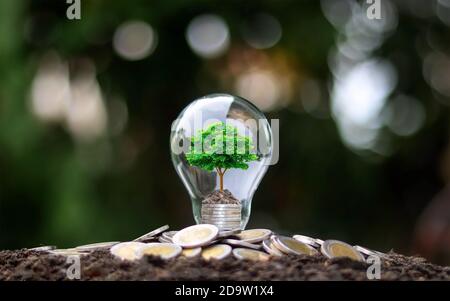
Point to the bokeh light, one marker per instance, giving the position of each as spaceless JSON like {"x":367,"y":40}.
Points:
{"x":134,"y":40}
{"x":208,"y":35}
{"x":358,"y":97}
{"x":50,"y":89}
{"x":86,"y":114}
{"x":405,"y":115}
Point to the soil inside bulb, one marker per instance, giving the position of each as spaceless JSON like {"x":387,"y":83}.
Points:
{"x":220,"y":197}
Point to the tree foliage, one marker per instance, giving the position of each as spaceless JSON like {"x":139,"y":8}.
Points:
{"x":220,"y":146}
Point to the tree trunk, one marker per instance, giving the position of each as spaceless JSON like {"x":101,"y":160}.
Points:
{"x":221,"y":181}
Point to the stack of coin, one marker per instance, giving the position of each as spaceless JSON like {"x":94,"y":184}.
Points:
{"x":224,"y":216}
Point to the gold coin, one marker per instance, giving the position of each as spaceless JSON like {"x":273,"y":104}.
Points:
{"x":191,"y":252}
{"x":195,"y":236}
{"x":163,"y":250}
{"x":127,"y":250}
{"x":218,"y":251}
{"x":254,"y":235}
{"x":290,"y":245}
{"x":242,"y":253}
{"x":336,"y":248}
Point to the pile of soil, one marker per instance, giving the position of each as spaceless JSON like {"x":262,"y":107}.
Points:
{"x":101,"y":265}
{"x":220,"y":197}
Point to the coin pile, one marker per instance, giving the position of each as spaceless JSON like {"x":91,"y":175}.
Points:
{"x":210,"y":243}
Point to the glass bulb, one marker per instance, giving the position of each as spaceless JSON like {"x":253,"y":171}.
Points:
{"x":248,"y":121}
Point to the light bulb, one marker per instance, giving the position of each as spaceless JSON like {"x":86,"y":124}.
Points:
{"x":210,"y":176}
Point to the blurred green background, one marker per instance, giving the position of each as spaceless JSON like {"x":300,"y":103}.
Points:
{"x":86,"y":108}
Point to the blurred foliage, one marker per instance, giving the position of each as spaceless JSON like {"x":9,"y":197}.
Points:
{"x":58,"y":189}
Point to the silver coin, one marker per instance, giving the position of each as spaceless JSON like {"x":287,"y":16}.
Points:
{"x":43,"y":248}
{"x":234,"y":214}
{"x":240,"y":243}
{"x":162,"y":239}
{"x":307,"y":240}
{"x":224,"y":220}
{"x":229,"y":226}
{"x":150,"y":235}
{"x":369,"y":252}
{"x":220,"y":214}
{"x":335,"y":248}
{"x":319,"y":241}
{"x":270,"y":248}
{"x":169,"y":234}
{"x":224,"y":213}
{"x":97,"y":246}
{"x":290,"y":245}
{"x":67,"y":252}
{"x":229,"y":232}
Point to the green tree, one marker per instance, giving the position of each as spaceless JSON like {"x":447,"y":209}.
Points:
{"x":220,"y":147}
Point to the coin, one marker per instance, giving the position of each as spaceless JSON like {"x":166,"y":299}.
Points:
{"x":336,"y":248}
{"x":43,"y":248}
{"x":270,"y":248}
{"x":219,"y":251}
{"x":225,"y":217}
{"x":307,"y":240}
{"x":191,"y":252}
{"x":196,"y":236}
{"x":254,"y":235}
{"x":127,"y":250}
{"x":290,"y":245}
{"x":319,"y":241}
{"x":242,"y":253}
{"x":227,"y":233}
{"x":169,"y":234}
{"x":97,"y":246}
{"x":219,"y":222}
{"x":240,"y":243}
{"x":164,"y":240}
{"x":163,"y":250}
{"x":151,"y":234}
{"x":369,"y":252}
{"x":67,"y":252}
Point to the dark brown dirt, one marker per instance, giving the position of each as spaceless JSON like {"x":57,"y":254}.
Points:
{"x":220,"y":197}
{"x":100,"y":265}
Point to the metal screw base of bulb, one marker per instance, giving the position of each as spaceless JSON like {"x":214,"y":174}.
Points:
{"x":224,"y":216}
